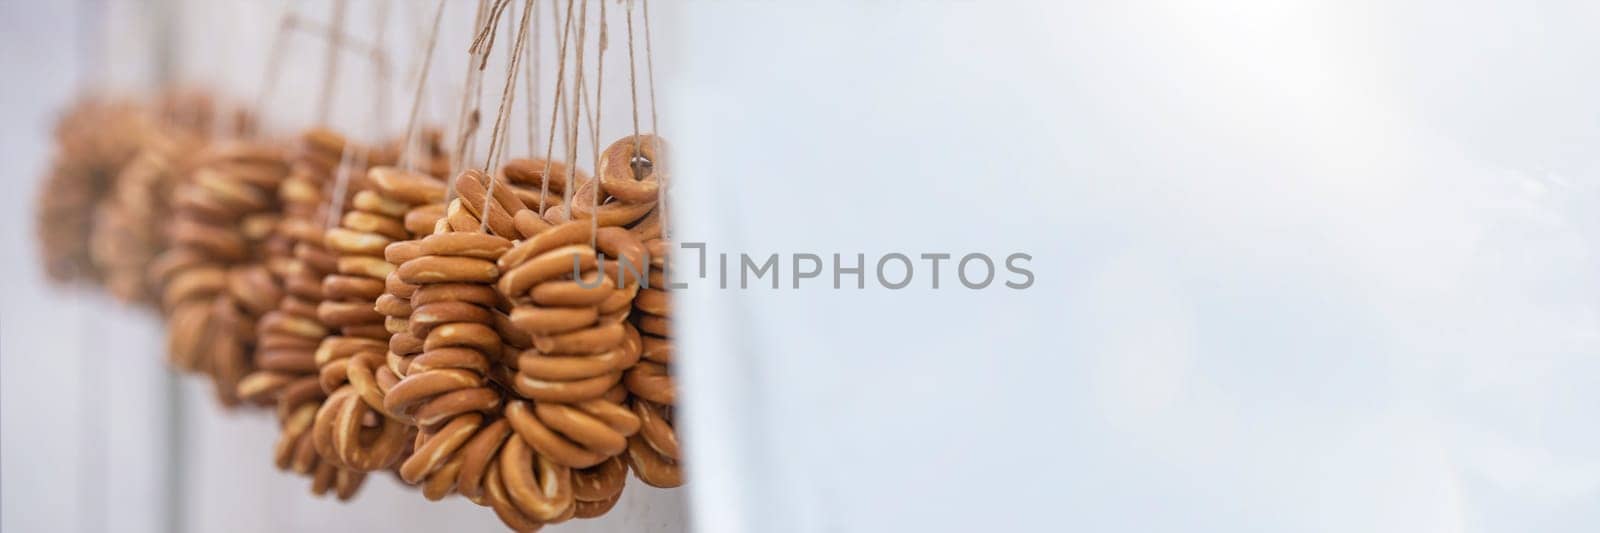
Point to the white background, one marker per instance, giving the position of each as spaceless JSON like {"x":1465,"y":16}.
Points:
{"x":1301,"y":266}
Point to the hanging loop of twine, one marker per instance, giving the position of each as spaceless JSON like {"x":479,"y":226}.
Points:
{"x":660,"y":164}
{"x":408,"y":147}
{"x":330,"y":73}
{"x":508,"y":95}
{"x":467,"y":121}
{"x":555,"y":112}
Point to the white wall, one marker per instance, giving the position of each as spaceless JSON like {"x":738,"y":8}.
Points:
{"x":1302,"y":266}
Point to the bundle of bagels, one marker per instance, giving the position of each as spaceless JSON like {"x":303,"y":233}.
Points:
{"x":498,"y":334}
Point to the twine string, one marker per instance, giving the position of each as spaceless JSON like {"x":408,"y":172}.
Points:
{"x":330,"y":73}
{"x":594,"y":126}
{"x":531,"y":72}
{"x":659,"y":165}
{"x":508,"y":96}
{"x":573,"y":123}
{"x":467,"y":121}
{"x":408,"y":147}
{"x":561,"y":75}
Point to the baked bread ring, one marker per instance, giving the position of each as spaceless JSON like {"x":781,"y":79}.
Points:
{"x":628,"y":171}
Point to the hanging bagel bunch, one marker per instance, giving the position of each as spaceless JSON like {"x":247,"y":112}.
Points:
{"x":127,"y":232}
{"x":94,"y":139}
{"x":352,"y":427}
{"x":214,"y":279}
{"x":570,"y":404}
{"x":285,"y":364}
{"x":629,"y":186}
{"x":630,"y":171}
{"x":502,"y":333}
{"x":447,"y":345}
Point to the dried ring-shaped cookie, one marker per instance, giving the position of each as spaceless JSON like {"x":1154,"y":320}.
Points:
{"x":547,"y":266}
{"x":514,"y":337}
{"x":325,"y":425}
{"x":297,"y":361}
{"x":390,"y":305}
{"x":262,"y":386}
{"x":420,"y":221}
{"x":649,"y":228}
{"x":657,"y":325}
{"x":557,"y":368}
{"x":594,"y":509}
{"x":609,"y":213}
{"x":472,"y":185}
{"x":624,"y":177}
{"x":600,"y":482}
{"x":447,"y":269}
{"x":656,"y":349}
{"x":393,"y":285}
{"x":343,"y":481}
{"x":443,"y":358}
{"x":545,"y":494}
{"x":473,"y":293}
{"x":564,"y":391}
{"x":373,"y":202}
{"x":367,"y":448}
{"x":656,"y":428}
{"x":339,"y":314}
{"x":352,"y":287}
{"x":591,"y":340}
{"x":213,"y":241}
{"x":549,"y":443}
{"x":291,"y":450}
{"x":653,"y":301}
{"x":588,"y":290}
{"x":537,"y":320}
{"x":238,"y":196}
{"x":465,"y":334}
{"x":303,"y":391}
{"x":360,"y":373}
{"x":532,"y":173}
{"x":464,"y":244}
{"x":386,"y":226}
{"x":428,"y":316}
{"x":529,"y":224}
{"x":653,"y":468}
{"x":194,"y":283}
{"x":399,"y":252}
{"x":477,"y":455}
{"x":447,"y":406}
{"x":419,"y":387}
{"x":650,"y":380}
{"x":362,"y":265}
{"x":438,"y":484}
{"x":555,"y":236}
{"x":595,"y":425}
{"x":437,"y":448}
{"x":338,"y":348}
{"x":458,"y":218}
{"x":599,"y":488}
{"x":627,"y":252}
{"x":409,"y":187}
{"x":254,"y":289}
{"x":498,"y":498}
{"x":349,"y":241}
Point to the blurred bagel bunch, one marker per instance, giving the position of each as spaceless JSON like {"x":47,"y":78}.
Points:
{"x":494,"y":330}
